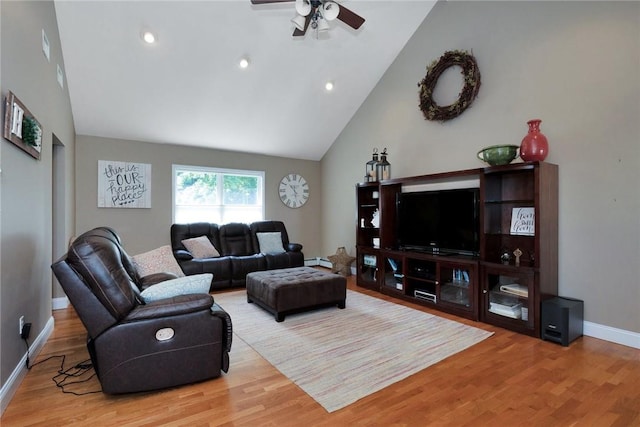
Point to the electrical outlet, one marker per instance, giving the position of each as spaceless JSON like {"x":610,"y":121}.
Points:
{"x":21,"y":325}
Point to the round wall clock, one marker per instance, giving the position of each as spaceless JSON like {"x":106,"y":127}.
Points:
{"x":294,"y":190}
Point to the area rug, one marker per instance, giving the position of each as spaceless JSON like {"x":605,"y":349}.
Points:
{"x":340,"y":356}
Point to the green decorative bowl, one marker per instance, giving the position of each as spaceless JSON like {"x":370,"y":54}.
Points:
{"x":499,"y":154}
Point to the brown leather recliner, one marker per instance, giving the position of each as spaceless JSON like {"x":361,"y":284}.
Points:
{"x":136,"y":346}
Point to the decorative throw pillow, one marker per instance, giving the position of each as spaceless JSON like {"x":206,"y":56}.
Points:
{"x":270,"y":243}
{"x":159,"y":260}
{"x":201,"y":247}
{"x":196,"y":284}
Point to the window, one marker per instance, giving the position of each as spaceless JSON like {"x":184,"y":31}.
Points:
{"x":217,"y":195}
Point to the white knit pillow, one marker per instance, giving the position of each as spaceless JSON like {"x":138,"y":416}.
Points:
{"x":159,"y":260}
{"x":196,"y":284}
{"x":200,"y":247}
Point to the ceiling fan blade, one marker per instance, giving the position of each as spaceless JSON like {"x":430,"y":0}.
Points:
{"x":270,"y":1}
{"x":298,"y":32}
{"x":351,"y":19}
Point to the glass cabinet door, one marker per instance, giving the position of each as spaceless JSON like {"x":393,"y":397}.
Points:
{"x":393,"y":274}
{"x":508,"y":296}
{"x":368,"y":268}
{"x":456,"y":285}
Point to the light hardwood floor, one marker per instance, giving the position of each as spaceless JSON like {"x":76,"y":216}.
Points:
{"x":506,"y":380}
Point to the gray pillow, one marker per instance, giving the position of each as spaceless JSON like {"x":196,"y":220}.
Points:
{"x":270,"y":243}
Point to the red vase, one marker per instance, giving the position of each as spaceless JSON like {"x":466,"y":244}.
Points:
{"x":534,"y":146}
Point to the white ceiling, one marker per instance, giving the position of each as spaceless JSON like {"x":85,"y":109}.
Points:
{"x":188,"y":88}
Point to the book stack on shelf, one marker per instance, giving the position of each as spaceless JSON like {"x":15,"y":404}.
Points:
{"x":506,"y":302}
{"x":513,"y":311}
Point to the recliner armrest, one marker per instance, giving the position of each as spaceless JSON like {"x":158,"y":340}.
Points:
{"x":294,"y":247}
{"x":174,"y":306}
{"x":182,"y":255}
{"x":227,"y":333}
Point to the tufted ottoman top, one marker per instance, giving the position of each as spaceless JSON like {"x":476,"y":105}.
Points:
{"x":290,"y":289}
{"x":287,"y":276}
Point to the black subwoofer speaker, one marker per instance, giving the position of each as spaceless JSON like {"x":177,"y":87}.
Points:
{"x":562,"y":319}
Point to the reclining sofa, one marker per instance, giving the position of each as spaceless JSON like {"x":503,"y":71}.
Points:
{"x":238,"y":250}
{"x":136,"y":346}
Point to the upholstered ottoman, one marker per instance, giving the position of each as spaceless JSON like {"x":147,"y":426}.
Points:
{"x":292,"y":290}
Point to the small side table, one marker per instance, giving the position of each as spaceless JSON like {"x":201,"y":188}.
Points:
{"x":341,"y":262}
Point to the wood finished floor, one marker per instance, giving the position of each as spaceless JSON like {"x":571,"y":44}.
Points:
{"x":506,"y":380}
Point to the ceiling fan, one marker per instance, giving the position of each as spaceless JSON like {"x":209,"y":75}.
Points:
{"x":316,"y":13}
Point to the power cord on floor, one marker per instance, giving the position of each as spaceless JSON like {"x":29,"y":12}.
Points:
{"x":63,"y":378}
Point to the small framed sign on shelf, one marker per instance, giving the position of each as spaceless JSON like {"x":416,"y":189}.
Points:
{"x":21,"y":127}
{"x":523,"y":221}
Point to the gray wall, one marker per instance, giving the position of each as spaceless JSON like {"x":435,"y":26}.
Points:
{"x":575,"y":65}
{"x":26,"y":194}
{"x":145,"y":229}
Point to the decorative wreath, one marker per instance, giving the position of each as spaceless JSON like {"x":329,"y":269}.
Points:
{"x":471,"y":74}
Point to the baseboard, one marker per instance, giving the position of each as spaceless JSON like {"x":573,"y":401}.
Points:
{"x":322,"y":262}
{"x":615,"y":335}
{"x":15,"y":379}
{"x":59,"y":303}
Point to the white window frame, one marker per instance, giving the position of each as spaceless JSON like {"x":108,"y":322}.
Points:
{"x":219,"y":188}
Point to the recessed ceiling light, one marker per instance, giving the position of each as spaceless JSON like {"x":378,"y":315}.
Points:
{"x":328,"y":86}
{"x":244,"y":63}
{"x":149,"y":37}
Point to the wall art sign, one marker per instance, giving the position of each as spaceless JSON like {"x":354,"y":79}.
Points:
{"x":523,"y":221}
{"x":124,"y":184}
{"x":21,"y":127}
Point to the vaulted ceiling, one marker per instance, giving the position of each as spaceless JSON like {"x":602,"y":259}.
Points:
{"x":187,"y":88}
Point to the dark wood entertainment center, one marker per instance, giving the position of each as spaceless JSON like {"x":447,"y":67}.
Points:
{"x":491,"y":287}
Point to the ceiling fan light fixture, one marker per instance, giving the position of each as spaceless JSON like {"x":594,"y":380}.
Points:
{"x":328,"y":86}
{"x":316,"y":14}
{"x":303,"y":7}
{"x":330,"y":10}
{"x":322,"y":24}
{"x":299,"y":22}
{"x":244,"y":63}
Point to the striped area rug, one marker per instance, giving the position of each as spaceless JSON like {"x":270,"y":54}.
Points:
{"x":339,"y":356}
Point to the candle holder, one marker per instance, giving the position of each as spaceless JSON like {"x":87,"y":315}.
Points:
{"x":370,"y":167}
{"x":383,"y":168}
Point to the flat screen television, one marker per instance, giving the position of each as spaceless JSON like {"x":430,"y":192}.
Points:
{"x":441,"y":221}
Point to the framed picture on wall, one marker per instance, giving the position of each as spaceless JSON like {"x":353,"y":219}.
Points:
{"x":21,"y":128}
{"x":124,"y":184}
